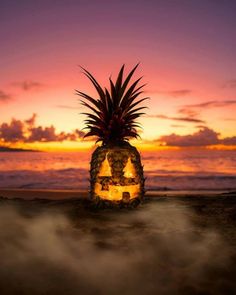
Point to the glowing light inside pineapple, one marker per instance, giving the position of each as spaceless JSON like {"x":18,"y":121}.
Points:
{"x":129,"y":170}
{"x":105,"y":168}
{"x":115,"y":192}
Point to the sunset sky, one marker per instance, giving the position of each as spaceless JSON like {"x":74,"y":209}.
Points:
{"x":187,"y":55}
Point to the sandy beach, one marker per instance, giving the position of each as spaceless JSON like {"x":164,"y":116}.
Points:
{"x":29,"y":194}
{"x":52,"y":243}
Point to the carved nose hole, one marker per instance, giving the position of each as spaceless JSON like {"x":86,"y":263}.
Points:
{"x":125,"y":197}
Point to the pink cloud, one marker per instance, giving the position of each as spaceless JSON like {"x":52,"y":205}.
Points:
{"x":187,"y":119}
{"x":28,"y":85}
{"x":4,"y":97}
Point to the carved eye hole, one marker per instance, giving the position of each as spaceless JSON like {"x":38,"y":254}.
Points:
{"x":129,"y":170}
{"x":105,"y":169}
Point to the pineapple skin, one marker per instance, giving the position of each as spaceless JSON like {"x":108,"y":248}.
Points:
{"x":118,"y":155}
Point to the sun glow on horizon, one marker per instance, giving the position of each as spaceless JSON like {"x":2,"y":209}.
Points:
{"x":188,"y":65}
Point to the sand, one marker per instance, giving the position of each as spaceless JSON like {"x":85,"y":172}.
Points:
{"x":52,"y":242}
{"x":29,"y":194}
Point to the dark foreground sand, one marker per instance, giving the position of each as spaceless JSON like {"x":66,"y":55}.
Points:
{"x":171,"y":244}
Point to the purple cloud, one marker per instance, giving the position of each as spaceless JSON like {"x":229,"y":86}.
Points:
{"x":12,"y":132}
{"x":42,"y":134}
{"x":203,"y":137}
{"x":229,"y":140}
{"x":31,"y":120}
{"x":27,"y":131}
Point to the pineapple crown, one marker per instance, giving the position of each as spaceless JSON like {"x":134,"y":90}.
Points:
{"x":112,"y":117}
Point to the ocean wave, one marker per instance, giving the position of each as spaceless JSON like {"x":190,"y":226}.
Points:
{"x":48,"y":179}
{"x":78,"y":178}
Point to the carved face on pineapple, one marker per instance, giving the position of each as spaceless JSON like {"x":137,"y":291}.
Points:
{"x":116,"y":172}
{"x":118,"y":176}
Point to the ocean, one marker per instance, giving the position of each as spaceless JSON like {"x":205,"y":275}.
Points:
{"x":175,"y":170}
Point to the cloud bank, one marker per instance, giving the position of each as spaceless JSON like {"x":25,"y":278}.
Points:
{"x":203,"y":137}
{"x":26,"y":131}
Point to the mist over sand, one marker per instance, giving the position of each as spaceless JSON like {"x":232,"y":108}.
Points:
{"x":155,"y":249}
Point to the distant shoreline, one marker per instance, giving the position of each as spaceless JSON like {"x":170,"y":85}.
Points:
{"x":7,"y":149}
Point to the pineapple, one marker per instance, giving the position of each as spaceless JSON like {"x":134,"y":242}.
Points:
{"x":116,"y":172}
